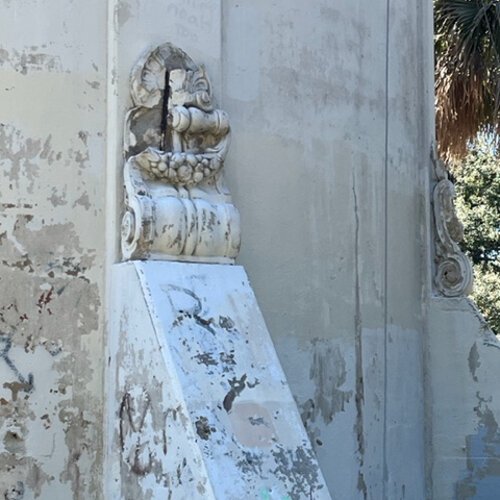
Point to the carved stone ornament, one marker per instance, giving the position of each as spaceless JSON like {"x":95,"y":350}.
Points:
{"x":453,"y":275}
{"x":176,"y":203}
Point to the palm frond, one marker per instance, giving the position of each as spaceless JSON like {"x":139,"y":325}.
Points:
{"x":467,"y":43}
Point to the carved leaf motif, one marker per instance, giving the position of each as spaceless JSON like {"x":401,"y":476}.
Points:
{"x":176,"y":203}
{"x":148,"y":76}
{"x":453,"y":277}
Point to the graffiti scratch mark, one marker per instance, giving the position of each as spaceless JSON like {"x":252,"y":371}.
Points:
{"x":5,"y":346}
{"x":190,"y":312}
{"x":132,"y":421}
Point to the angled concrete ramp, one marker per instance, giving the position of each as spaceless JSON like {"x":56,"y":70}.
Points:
{"x":200,"y":407}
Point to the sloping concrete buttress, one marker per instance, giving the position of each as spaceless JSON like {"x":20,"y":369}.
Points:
{"x":204,"y":407}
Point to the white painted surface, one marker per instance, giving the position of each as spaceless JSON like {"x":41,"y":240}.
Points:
{"x":207,"y":350}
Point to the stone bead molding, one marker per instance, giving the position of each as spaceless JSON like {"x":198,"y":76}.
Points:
{"x":453,"y":272}
{"x":176,"y":204}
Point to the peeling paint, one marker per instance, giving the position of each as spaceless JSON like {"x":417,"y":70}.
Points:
{"x":19,"y":156}
{"x":51,"y":272}
{"x":300,"y":468}
{"x":24,"y":473}
{"x":57,"y":199}
{"x":328,"y":372}
{"x":83,"y":200}
{"x":46,"y":296}
{"x":30,"y":249}
{"x":203,"y":428}
{"x":29,"y":60}
{"x":482,"y":478}
{"x":123,"y":12}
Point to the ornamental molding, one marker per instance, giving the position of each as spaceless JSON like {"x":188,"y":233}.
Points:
{"x":453,"y":270}
{"x":177,"y":206}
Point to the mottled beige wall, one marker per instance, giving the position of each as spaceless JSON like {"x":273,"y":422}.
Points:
{"x":52,"y":227}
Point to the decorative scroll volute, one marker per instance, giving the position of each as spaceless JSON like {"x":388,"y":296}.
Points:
{"x":176,"y":203}
{"x":453,"y":275}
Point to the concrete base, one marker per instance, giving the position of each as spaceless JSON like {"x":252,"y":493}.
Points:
{"x":198,"y":405}
{"x":464,"y":366}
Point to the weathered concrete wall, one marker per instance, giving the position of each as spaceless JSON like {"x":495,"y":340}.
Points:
{"x":327,"y":166}
{"x":330,"y":153}
{"x":331,"y":110}
{"x":464,"y":363}
{"x":332,"y":133}
{"x":52,"y":194}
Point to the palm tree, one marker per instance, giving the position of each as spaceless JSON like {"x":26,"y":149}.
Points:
{"x":467,"y":72}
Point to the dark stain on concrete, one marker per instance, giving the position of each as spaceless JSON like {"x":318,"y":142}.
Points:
{"x":253,"y":384}
{"x":132,"y":417}
{"x":226,"y":323}
{"x":203,"y":428}
{"x":206,"y":359}
{"x":474,"y":362}
{"x":227,"y":360}
{"x":15,"y":492}
{"x":237,"y":387}
{"x":257,"y":421}
{"x":358,"y":324}
{"x":27,"y":468}
{"x":251,"y":463}
{"x":329,"y":373}
{"x":23,"y":264}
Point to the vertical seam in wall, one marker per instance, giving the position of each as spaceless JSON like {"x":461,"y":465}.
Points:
{"x":112,"y":130}
{"x":111,"y":208}
{"x":386,"y":245}
{"x":426,"y":24}
{"x":221,"y":53}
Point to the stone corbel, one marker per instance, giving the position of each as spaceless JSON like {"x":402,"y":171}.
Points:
{"x":176,"y":203}
{"x":453,"y":272}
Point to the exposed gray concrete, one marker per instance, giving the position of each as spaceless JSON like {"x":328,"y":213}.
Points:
{"x":333,"y":131}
